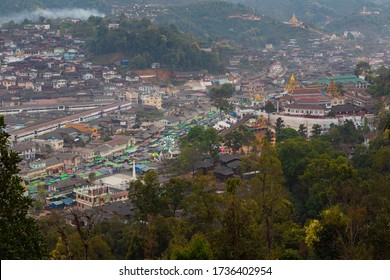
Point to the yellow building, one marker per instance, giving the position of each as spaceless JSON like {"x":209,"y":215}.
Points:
{"x":154,"y":101}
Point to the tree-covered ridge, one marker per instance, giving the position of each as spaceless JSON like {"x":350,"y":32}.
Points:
{"x":375,"y":23}
{"x":17,"y":6}
{"x":310,"y":11}
{"x":146,"y":43}
{"x":221,"y":20}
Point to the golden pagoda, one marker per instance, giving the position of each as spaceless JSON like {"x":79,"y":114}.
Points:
{"x":362,"y":75}
{"x":257,"y":98}
{"x":291,"y":85}
{"x":332,"y":89}
{"x":294,"y":21}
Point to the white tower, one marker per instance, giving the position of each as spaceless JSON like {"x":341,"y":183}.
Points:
{"x":134,"y":173}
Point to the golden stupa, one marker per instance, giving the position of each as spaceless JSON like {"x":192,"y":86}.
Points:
{"x":332,"y":89}
{"x":291,"y":85}
{"x":294,"y":21}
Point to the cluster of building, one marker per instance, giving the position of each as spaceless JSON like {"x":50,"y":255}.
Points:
{"x":68,"y":117}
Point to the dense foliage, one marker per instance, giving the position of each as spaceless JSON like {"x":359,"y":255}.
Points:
{"x":218,"y":20}
{"x":20,"y":237}
{"x":145,"y":43}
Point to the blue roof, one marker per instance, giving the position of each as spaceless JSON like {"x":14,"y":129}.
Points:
{"x":67,"y":201}
{"x":57,"y":203}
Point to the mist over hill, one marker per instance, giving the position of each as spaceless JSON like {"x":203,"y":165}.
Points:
{"x":78,"y":13}
{"x":20,"y":9}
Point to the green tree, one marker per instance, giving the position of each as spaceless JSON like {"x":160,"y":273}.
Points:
{"x":234,"y":140}
{"x":269,"y":192}
{"x":175,"y":191}
{"x":20,"y":237}
{"x":220,"y":98}
{"x":92,"y":177}
{"x":316,"y":130}
{"x":362,"y":66}
{"x":338,"y":235}
{"x":302,"y":130}
{"x":99,"y":249}
{"x":295,"y":154}
{"x":279,"y":125}
{"x":238,"y":236}
{"x":287,"y":133}
{"x":329,"y":182}
{"x":269,"y":107}
{"x":189,"y":156}
{"x":197,"y":249}
{"x":147,"y":196}
{"x":201,"y":204}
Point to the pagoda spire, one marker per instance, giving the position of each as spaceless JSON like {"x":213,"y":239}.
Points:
{"x":294,"y":21}
{"x":332,"y":88}
{"x":291,"y":85}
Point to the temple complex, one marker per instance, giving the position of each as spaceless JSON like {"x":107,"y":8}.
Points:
{"x":291,"y":85}
{"x":294,"y":21}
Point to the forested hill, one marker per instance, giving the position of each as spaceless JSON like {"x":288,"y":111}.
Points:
{"x":220,"y":20}
{"x":377,"y":23}
{"x":310,"y":11}
{"x":18,"y":6}
{"x":144,"y":43}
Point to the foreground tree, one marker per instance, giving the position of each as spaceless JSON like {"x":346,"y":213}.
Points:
{"x":270,"y":194}
{"x":147,"y":196}
{"x":316,"y":130}
{"x":302,"y":130}
{"x":220,"y":98}
{"x":20,"y":237}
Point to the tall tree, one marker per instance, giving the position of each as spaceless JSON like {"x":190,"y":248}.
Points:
{"x":302,"y":130}
{"x":238,"y":236}
{"x":220,"y":98}
{"x":316,"y":130}
{"x":147,"y":196}
{"x":329,"y":182}
{"x":197,"y":249}
{"x":268,"y":190}
{"x":287,"y":133}
{"x":175,"y":190}
{"x":362,"y":66}
{"x":279,"y":125}
{"x":20,"y":237}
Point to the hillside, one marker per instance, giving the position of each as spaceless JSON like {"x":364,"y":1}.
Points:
{"x":217,"y":20}
{"x":8,"y":7}
{"x":377,"y":23}
{"x":143,"y":43}
{"x":310,"y":11}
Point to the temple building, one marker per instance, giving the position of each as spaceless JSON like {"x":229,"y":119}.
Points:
{"x":291,"y":85}
{"x":347,"y":81}
{"x":296,"y":94}
{"x":332,"y":90}
{"x":294,"y":21}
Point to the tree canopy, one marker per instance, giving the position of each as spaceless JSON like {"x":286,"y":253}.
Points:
{"x":20,"y":237}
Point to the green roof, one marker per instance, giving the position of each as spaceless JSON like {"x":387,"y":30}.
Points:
{"x":341,"y":79}
{"x":83,"y":176}
{"x":98,"y":173}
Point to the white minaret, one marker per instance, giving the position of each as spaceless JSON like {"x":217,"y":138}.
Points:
{"x":134,"y":173}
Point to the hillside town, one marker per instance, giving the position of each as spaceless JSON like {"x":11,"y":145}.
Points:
{"x":74,"y":122}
